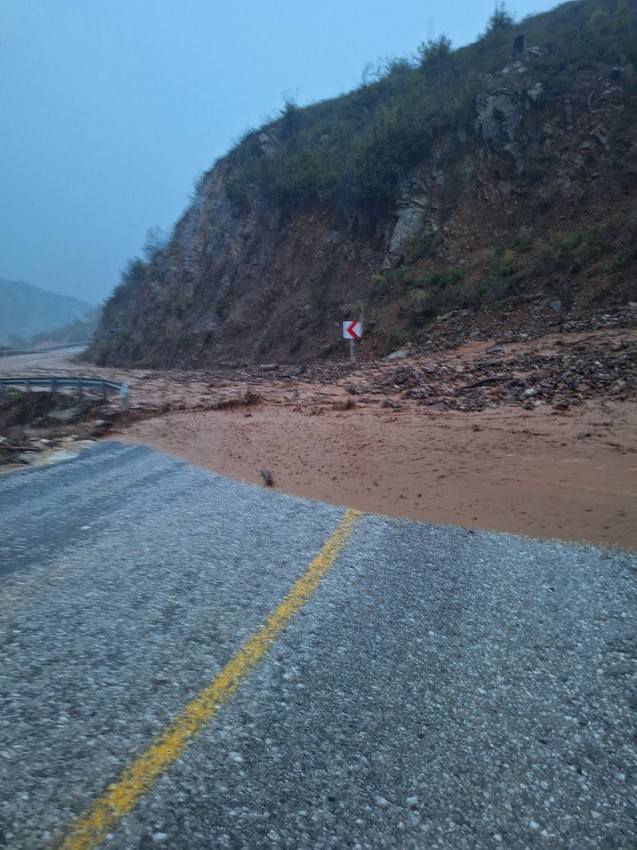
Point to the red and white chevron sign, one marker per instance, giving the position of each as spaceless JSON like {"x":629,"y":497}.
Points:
{"x":352,"y":330}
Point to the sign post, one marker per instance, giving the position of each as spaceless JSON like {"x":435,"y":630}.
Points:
{"x":352,"y":331}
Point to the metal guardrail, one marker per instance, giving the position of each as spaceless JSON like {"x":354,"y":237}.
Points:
{"x":52,"y":384}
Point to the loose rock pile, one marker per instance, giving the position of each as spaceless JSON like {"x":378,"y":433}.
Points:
{"x":562,"y":377}
{"x":561,"y":370}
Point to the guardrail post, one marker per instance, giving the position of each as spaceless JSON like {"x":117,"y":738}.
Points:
{"x":123,"y":394}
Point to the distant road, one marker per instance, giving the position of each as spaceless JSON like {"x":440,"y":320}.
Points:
{"x":438,"y":687}
{"x":35,"y":359}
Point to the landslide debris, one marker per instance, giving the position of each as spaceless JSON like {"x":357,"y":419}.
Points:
{"x":595,"y":360}
{"x":33,"y":421}
{"x":561,"y":372}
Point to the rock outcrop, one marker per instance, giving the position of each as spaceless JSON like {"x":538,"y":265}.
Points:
{"x":520,"y":193}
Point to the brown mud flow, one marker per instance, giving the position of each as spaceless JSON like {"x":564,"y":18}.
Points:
{"x":536,"y":437}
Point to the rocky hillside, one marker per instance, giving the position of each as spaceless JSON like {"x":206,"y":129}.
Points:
{"x":27,"y":310}
{"x":489,"y":189}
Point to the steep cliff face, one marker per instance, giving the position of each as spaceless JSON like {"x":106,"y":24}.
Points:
{"x":518,"y":198}
{"x":236,"y":285}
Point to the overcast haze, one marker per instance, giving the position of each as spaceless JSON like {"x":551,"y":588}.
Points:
{"x":110,"y":109}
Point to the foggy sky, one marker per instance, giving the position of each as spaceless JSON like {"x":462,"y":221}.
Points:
{"x":110,"y":109}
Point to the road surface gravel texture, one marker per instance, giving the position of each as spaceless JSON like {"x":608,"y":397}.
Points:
{"x":442,"y":687}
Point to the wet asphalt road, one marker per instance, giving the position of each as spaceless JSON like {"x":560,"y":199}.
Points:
{"x":441,"y":688}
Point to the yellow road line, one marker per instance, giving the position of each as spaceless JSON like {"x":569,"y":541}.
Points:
{"x":94,"y":824}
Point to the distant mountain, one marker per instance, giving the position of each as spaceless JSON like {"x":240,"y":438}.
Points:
{"x":26,"y":310}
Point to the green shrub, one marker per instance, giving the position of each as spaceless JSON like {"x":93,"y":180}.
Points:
{"x":484,"y":287}
{"x":447,"y":277}
{"x":574,"y":251}
{"x":617,"y":263}
{"x":379,"y":285}
{"x":399,"y":338}
{"x":360,"y":147}
{"x":435,"y":56}
{"x":504,"y":265}
{"x":405,"y":277}
{"x":395,"y":280}
{"x":423,"y":245}
{"x":522,"y":243}
{"x":501,"y":20}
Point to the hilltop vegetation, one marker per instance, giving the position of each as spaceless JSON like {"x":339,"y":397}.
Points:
{"x":497,"y":179}
{"x":362,"y":146}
